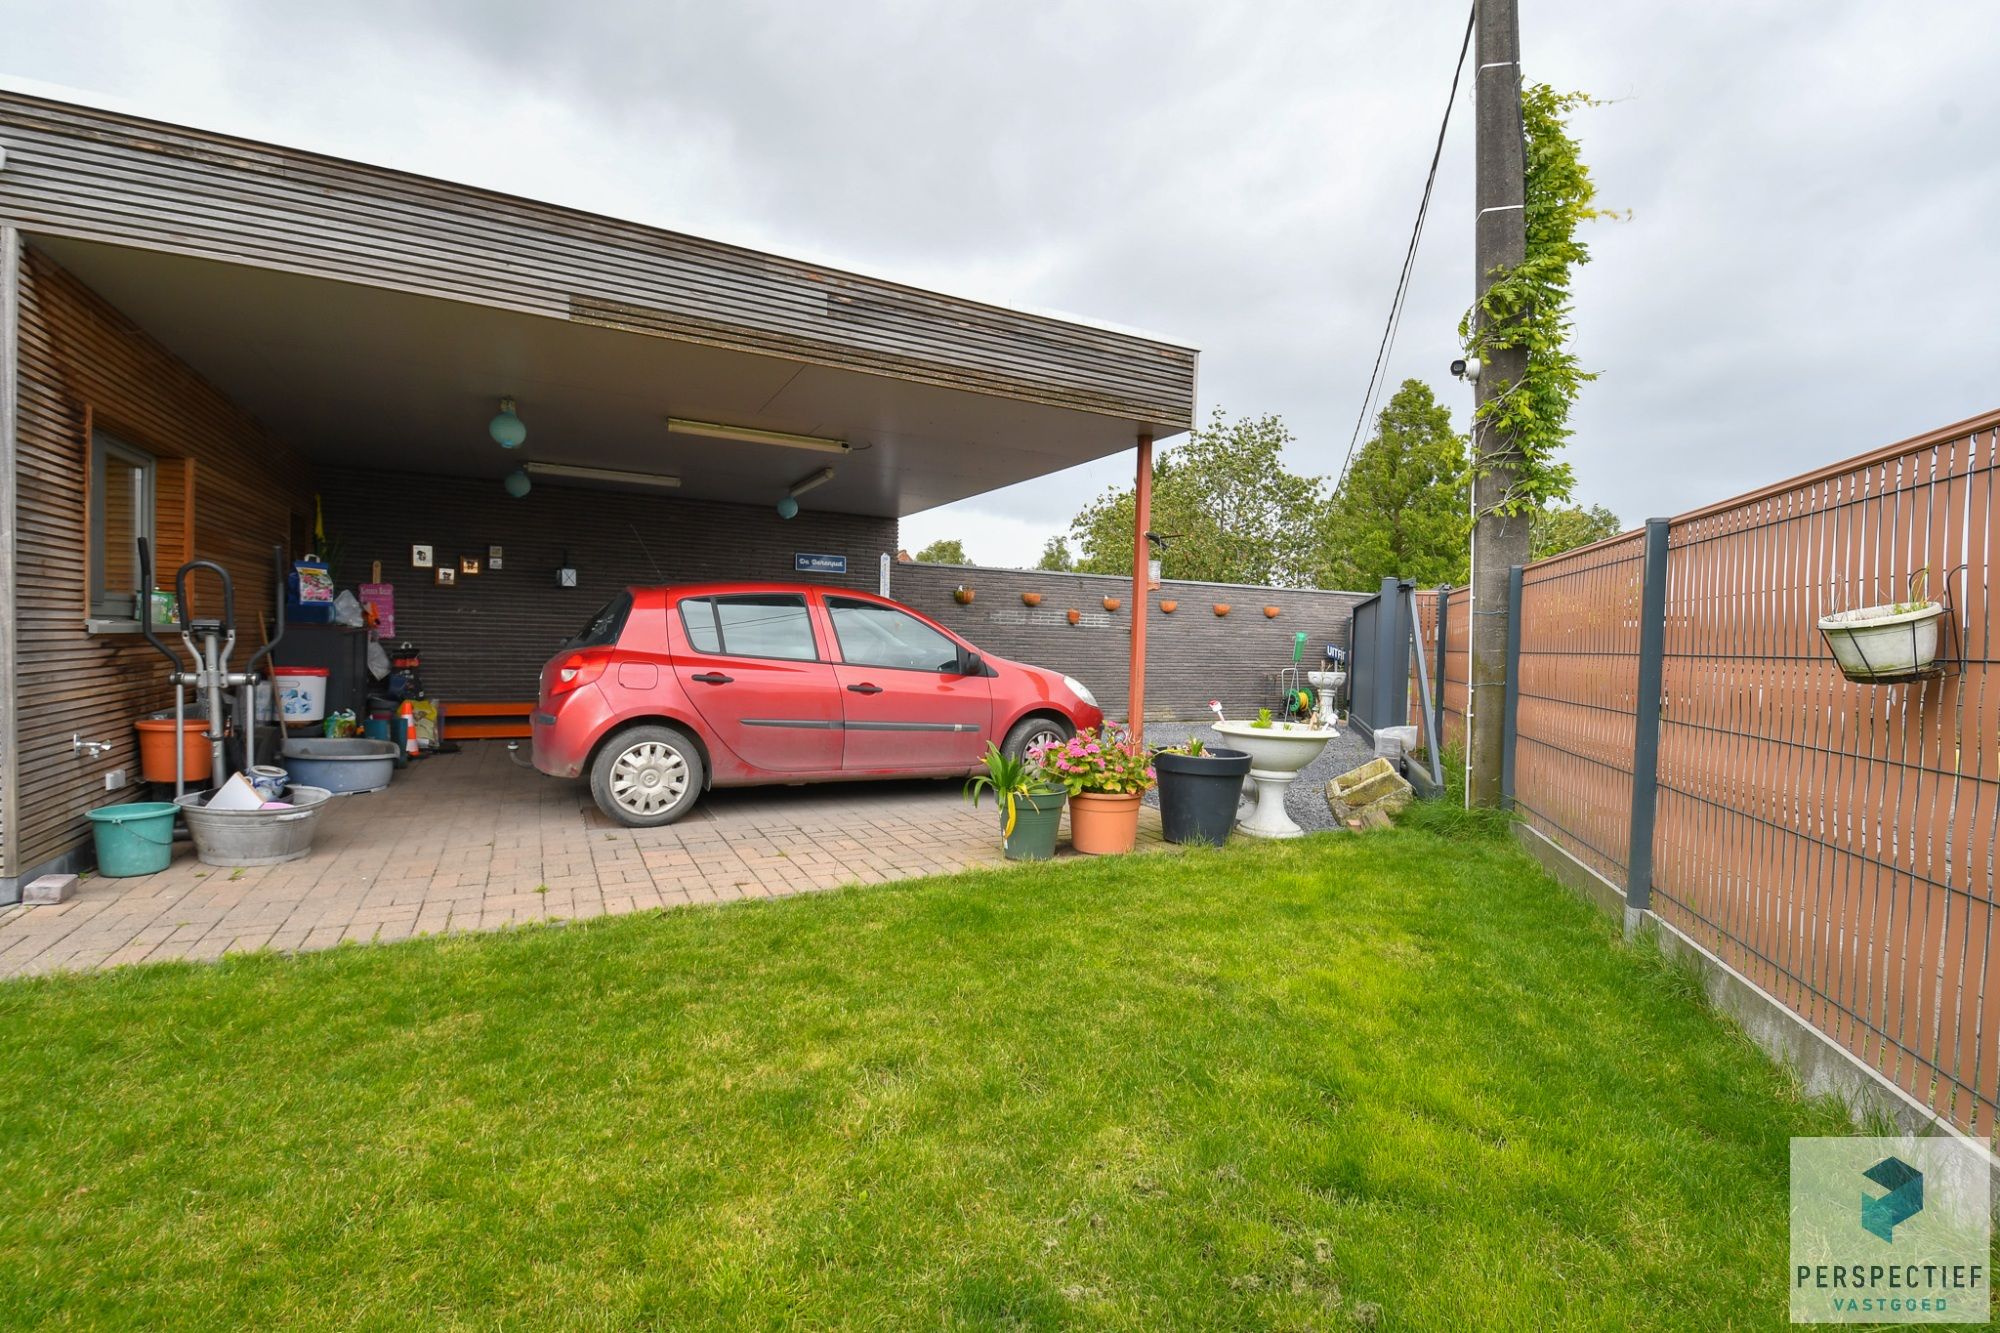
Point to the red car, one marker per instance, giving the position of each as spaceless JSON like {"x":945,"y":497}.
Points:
{"x":670,"y":691}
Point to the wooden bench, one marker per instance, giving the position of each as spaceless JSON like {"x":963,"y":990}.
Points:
{"x":484,"y":722}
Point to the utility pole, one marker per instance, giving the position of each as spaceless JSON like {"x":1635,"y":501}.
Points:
{"x":1500,"y":242}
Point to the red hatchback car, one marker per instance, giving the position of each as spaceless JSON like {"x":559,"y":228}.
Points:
{"x":670,"y":691}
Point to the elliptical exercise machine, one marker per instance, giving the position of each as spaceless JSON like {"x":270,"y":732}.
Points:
{"x":209,"y":643}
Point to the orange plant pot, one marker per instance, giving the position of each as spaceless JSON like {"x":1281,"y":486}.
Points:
{"x":1075,"y":616}
{"x":1112,"y":604}
{"x":1103,"y":824}
{"x":1271,"y":612}
{"x":1170,"y":606}
{"x":156,"y":749}
{"x":1222,"y":608}
{"x":963,"y":596}
{"x":1031,"y":599}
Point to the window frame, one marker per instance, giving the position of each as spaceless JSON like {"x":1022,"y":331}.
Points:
{"x":100,"y":616}
{"x":959,"y":650}
{"x":722,"y":648}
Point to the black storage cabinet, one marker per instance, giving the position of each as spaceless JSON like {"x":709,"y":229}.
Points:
{"x":342,"y":650}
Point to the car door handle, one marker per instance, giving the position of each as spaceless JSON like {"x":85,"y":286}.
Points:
{"x":865,"y":688}
{"x":713,"y":678}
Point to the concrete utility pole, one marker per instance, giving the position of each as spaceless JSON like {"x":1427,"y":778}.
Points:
{"x":1500,"y":237}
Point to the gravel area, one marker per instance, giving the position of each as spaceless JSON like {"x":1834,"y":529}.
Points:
{"x":1306,"y":801}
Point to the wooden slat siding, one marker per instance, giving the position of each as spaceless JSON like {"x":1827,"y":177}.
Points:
{"x":10,"y":774}
{"x":1457,"y":663}
{"x":1577,"y":679}
{"x":81,"y":360}
{"x":95,"y":175}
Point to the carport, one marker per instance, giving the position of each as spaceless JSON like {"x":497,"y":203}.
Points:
{"x":279,"y":331}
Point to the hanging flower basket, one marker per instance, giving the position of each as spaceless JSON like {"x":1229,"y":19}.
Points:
{"x":962,"y":595}
{"x":1882,"y":645}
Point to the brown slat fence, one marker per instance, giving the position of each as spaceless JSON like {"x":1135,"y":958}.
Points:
{"x":1832,"y":842}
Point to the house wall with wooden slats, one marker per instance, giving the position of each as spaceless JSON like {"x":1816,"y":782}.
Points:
{"x":78,"y":172}
{"x":84,"y":367}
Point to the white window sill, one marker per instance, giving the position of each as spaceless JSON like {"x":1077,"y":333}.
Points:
{"x":94,"y":626}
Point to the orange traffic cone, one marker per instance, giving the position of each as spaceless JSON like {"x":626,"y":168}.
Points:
{"x":408,"y":712}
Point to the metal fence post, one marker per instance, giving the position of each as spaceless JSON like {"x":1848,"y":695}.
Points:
{"x":1388,"y":710}
{"x":1511,"y":712}
{"x":1437,"y":684}
{"x":1646,"y":722}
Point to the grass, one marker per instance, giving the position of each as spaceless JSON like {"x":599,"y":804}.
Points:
{"x":1399,"y":1081}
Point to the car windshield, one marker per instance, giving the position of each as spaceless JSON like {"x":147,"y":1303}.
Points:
{"x":604,"y":626}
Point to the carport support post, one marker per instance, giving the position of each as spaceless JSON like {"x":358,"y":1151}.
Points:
{"x":1142,"y":522}
{"x":10,"y":765}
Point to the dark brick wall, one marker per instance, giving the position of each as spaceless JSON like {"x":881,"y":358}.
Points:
{"x":1192,"y":656}
{"x":487,"y":638}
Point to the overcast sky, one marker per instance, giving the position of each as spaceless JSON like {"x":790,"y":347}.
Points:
{"x":1811,"y":268}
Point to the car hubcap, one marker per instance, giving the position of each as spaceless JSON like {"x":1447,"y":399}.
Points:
{"x":1047,"y":736}
{"x":648,"y":778}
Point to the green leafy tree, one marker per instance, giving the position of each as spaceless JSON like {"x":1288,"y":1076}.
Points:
{"x":1230,"y":509}
{"x":1056,"y":556}
{"x":1402,"y":509}
{"x":943,"y":551}
{"x":1553,"y":531}
{"x":1528,"y":306}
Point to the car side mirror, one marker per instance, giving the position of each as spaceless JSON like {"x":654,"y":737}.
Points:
{"x":969,"y":663}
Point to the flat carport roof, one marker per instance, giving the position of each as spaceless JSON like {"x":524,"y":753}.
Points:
{"x":376,"y":318}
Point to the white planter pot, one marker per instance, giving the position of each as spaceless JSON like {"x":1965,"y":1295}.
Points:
{"x":1277,"y":753}
{"x":1881,"y":643}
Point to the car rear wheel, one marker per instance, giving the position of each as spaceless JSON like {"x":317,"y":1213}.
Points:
{"x":1033,"y":731}
{"x":647,"y":776}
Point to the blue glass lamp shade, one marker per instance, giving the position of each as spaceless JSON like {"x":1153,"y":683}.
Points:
{"x":517,"y":483}
{"x":507,"y":430}
{"x":788,"y":508}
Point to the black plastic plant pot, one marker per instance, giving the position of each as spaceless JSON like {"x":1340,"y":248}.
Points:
{"x":1199,"y":792}
{"x":1037,"y":820}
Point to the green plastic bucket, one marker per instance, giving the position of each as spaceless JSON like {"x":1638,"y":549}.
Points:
{"x":136,"y":838}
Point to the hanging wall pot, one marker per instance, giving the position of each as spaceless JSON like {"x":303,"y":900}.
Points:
{"x":1031,"y":599}
{"x":962,"y":595}
{"x":1222,"y":608}
{"x":1112,"y":604}
{"x":1270,"y":613}
{"x":1075,"y":616}
{"x":1170,"y":606}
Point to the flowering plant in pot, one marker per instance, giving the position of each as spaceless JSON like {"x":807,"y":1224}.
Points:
{"x":1106,"y":773}
{"x":1200,"y":786}
{"x":1031,"y":804}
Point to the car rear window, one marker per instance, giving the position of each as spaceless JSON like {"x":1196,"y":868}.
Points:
{"x":605,"y":625}
{"x":751,"y":625}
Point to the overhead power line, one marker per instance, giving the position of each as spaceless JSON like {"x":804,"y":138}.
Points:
{"x":1371,"y":395}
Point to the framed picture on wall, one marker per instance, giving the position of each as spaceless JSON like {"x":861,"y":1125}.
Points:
{"x":468,"y":564}
{"x":447,"y":577}
{"x":420,"y":557}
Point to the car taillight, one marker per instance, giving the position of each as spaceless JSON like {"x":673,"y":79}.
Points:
{"x":575,"y":670}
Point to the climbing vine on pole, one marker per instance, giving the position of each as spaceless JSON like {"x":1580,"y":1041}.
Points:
{"x":1528,"y":307}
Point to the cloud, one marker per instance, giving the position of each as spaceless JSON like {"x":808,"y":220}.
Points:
{"x":1807,"y":273}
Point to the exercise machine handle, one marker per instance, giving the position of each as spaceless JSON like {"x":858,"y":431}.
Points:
{"x":278,"y":585}
{"x":146,"y":605}
{"x":228,"y":593}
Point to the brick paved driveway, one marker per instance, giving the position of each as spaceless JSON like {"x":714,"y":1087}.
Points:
{"x":474,"y":841}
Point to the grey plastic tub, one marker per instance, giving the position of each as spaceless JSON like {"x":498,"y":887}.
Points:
{"x":341,"y":766}
{"x":254,"y":837}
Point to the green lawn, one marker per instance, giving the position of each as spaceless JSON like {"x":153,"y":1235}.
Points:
{"x":1400,"y":1080}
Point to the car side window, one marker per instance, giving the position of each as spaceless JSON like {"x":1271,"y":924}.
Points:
{"x":882,"y":636}
{"x":751,"y":625}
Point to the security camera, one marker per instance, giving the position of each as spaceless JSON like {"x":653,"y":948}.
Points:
{"x":1466,"y":368}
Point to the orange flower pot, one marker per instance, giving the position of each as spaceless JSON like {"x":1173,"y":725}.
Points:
{"x":1271,"y":612}
{"x":1112,"y":604}
{"x":1075,"y":616}
{"x":1031,"y":599}
{"x":1170,"y":606}
{"x":1222,"y":608}
{"x":963,"y":596}
{"x":1103,"y":824}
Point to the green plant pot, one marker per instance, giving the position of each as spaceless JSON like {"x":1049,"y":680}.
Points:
{"x":1037,"y":819}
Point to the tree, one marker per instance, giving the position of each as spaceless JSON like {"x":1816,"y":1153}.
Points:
{"x":1554,"y":531}
{"x":1229,"y":509}
{"x":1056,"y":556}
{"x":943,"y":551}
{"x":1402,"y":509}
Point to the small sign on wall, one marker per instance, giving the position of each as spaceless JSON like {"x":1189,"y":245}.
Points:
{"x":381,"y":597}
{"x":805,"y":563}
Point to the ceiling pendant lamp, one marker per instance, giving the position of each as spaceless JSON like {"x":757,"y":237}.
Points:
{"x":507,"y":429}
{"x":517,"y":483}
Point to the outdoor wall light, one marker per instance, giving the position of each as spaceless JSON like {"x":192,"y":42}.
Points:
{"x":788,"y":508}
{"x":578,"y":472}
{"x":507,"y":429}
{"x":518,"y":483}
{"x":752,"y":435}
{"x":806,"y":483}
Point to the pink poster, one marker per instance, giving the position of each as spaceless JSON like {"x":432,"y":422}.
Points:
{"x":381,"y":598}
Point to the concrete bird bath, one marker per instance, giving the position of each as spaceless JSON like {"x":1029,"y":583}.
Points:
{"x":1277,"y":753}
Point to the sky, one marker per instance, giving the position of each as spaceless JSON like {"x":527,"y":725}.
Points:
{"x":1808,"y":269}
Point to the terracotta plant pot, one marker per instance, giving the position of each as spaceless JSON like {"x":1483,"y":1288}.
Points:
{"x":962,"y":595}
{"x":1170,"y":606}
{"x":1101,"y":824}
{"x":1031,"y":599}
{"x":1222,"y":608}
{"x":1271,"y":612}
{"x":1112,"y":604}
{"x":1075,"y":616}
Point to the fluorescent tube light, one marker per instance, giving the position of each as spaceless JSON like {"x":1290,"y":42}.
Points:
{"x":751,"y":435}
{"x":581,"y":473}
{"x":806,"y":483}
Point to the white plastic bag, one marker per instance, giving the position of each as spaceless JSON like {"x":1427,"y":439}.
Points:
{"x":347,"y":609}
{"x":378,"y":661}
